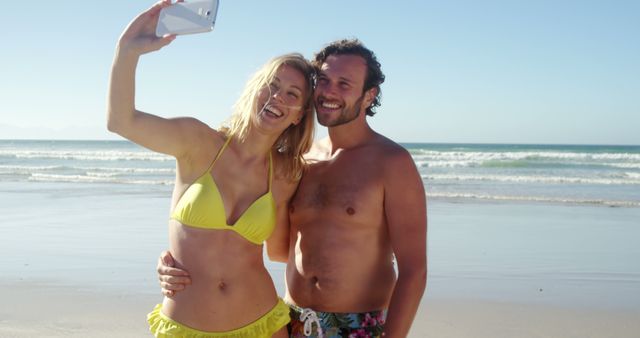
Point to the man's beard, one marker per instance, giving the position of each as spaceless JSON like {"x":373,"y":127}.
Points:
{"x":347,"y":115}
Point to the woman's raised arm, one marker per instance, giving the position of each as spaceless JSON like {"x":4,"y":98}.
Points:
{"x":168,"y":136}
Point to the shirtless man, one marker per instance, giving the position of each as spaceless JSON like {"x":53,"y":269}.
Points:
{"x":360,"y":203}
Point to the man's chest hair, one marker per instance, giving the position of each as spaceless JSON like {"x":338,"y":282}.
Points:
{"x":336,"y":189}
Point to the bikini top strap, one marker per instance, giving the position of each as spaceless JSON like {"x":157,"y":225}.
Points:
{"x":215,"y":159}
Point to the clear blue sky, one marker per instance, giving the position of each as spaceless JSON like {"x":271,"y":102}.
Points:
{"x":457,"y":71}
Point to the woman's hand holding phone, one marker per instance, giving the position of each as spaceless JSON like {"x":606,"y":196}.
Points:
{"x":140,"y":35}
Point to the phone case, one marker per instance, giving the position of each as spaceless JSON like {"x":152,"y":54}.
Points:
{"x":191,"y":17}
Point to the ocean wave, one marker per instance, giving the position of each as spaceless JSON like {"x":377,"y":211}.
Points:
{"x":83,"y":155}
{"x":481,"y":156}
{"x":94,"y":179}
{"x":633,"y":175}
{"x":27,"y":167}
{"x":533,"y":179}
{"x":478,"y":163}
{"x":22,"y":170}
{"x":26,"y":170}
{"x":98,"y":174}
{"x":611,"y":203}
{"x":132,"y":170}
{"x":623,"y":165}
{"x":446,"y":164}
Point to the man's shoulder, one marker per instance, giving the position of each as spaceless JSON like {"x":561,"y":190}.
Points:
{"x":390,"y":149}
{"x":396,"y":158}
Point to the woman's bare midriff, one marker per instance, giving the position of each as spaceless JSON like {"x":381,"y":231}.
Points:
{"x":230,"y":286}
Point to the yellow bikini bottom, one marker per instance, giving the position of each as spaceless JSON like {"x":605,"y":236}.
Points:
{"x":164,"y":327}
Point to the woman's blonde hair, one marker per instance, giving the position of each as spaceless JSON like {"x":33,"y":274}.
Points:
{"x":296,"y":139}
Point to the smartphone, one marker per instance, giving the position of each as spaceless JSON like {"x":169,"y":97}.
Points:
{"x":197,"y":16}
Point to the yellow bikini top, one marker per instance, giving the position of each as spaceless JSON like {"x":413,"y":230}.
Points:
{"x":201,"y":206}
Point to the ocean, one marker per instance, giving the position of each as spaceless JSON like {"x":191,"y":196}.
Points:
{"x":523,"y":223}
{"x":575,"y":174}
{"x":559,"y":174}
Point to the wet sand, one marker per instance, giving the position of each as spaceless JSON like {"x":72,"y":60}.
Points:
{"x":40,"y":310}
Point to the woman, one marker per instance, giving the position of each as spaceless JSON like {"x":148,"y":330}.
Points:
{"x":237,"y":179}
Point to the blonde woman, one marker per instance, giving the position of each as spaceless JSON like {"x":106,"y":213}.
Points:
{"x":232,"y":186}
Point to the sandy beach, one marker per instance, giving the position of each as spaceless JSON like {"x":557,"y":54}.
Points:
{"x":38,"y":310}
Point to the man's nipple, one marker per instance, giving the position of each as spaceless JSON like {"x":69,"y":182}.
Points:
{"x":351,"y":211}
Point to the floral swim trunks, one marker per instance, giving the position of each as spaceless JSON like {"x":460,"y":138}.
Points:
{"x":309,"y":323}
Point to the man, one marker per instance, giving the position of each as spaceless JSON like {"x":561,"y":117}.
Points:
{"x":360,"y":203}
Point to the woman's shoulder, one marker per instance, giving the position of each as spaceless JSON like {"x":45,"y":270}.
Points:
{"x":211,"y":141}
{"x":206,"y":142}
{"x":217,"y":137}
{"x":198,"y":132}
